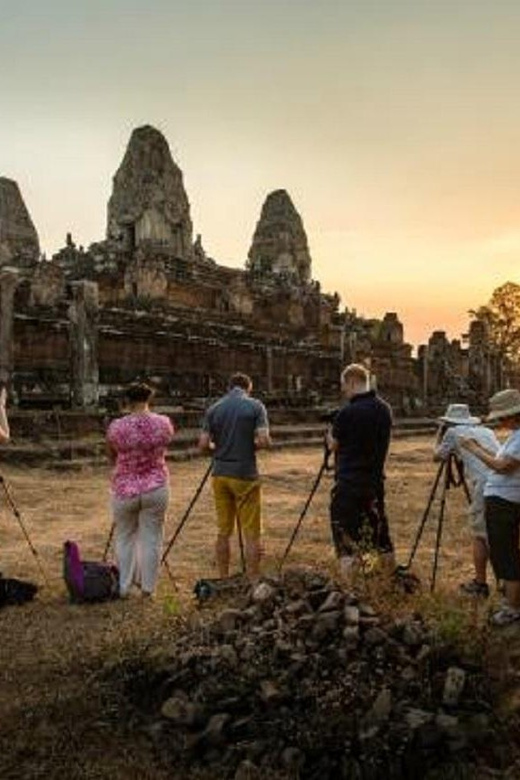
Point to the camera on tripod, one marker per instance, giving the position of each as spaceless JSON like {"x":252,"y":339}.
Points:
{"x":328,"y":416}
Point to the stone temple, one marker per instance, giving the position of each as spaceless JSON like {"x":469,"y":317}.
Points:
{"x":18,"y":237}
{"x":148,"y":301}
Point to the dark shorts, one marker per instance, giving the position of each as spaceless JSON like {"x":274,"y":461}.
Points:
{"x":358,"y":522}
{"x":503,"y":524}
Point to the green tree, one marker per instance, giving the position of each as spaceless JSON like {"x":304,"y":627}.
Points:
{"x":502,"y":318}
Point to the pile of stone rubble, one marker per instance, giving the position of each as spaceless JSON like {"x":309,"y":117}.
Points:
{"x":302,"y":679}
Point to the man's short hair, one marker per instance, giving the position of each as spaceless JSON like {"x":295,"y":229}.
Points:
{"x":357,"y":372}
{"x":240,"y":380}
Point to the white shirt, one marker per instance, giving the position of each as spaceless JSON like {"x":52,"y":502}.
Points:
{"x":506,"y":485}
{"x":474,"y":469}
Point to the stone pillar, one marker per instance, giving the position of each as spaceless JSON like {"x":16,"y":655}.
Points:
{"x":8,"y":281}
{"x":425,"y":378}
{"x":269,"y":367}
{"x":83,"y":316}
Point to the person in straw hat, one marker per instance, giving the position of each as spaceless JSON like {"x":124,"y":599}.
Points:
{"x":502,"y":501}
{"x":455,"y":425}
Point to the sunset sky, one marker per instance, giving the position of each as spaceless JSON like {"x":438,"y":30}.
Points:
{"x":393,"y":124}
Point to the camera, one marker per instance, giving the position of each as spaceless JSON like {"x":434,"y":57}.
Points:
{"x":329,"y":416}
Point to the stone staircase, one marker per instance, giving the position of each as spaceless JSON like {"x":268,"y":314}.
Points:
{"x":66,"y":452}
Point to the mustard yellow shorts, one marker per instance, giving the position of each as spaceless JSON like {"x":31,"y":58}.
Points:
{"x":238,"y":497}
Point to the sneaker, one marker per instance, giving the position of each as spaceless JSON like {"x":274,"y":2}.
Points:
{"x":474,"y":588}
{"x":504,"y":616}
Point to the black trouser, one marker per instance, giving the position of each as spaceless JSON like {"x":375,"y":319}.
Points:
{"x":358,"y":522}
{"x":503,"y":528}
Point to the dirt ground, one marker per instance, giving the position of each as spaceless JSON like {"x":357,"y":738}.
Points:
{"x":53,"y":701}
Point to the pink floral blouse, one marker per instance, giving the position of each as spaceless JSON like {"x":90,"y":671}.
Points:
{"x":139,"y":441}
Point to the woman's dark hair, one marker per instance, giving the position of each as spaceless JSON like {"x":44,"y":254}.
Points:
{"x":139,"y":392}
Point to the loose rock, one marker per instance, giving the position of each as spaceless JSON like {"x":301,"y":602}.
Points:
{"x":228,"y":620}
{"x":315,"y":685}
{"x":351,"y":615}
{"x":263,"y":592}
{"x":453,"y":685}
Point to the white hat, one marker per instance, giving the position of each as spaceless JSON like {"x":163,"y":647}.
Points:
{"x":458,"y":414}
{"x":506,"y":403}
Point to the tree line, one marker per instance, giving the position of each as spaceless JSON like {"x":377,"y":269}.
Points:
{"x":501,"y":316}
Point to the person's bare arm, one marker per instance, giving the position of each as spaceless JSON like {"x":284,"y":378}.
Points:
{"x":5,"y":433}
{"x":332,"y":443}
{"x":111,"y":452}
{"x":205,"y":444}
{"x":503,"y":465}
{"x":262,"y":438}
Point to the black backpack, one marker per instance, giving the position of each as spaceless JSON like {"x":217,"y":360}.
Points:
{"x":88,"y":581}
{"x":13,"y":591}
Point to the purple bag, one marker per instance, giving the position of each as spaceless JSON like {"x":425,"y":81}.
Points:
{"x":88,"y":581}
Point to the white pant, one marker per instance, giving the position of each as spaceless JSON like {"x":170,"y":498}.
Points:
{"x":139,"y":523}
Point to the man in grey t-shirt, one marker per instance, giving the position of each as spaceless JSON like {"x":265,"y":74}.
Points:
{"x":234,"y":428}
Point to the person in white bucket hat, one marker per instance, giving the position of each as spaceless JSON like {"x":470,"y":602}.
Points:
{"x":456,"y":425}
{"x":502,"y":501}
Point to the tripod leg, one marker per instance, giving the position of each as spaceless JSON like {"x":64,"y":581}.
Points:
{"x":303,"y":513}
{"x":109,"y":541}
{"x":241,"y":544}
{"x":422,"y":524}
{"x":439,"y":533}
{"x":18,"y":517}
{"x":466,"y":490}
{"x":239,"y":506}
{"x":170,"y":575}
{"x":186,"y":514}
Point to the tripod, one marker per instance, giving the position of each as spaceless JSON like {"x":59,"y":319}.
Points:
{"x":186,"y":515}
{"x":325,"y":466}
{"x":452,"y":469}
{"x":16,"y":513}
{"x":184,"y":519}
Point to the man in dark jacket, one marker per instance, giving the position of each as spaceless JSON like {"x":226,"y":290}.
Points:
{"x":360,"y":438}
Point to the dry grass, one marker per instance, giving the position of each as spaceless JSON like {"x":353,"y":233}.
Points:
{"x":50,"y":650}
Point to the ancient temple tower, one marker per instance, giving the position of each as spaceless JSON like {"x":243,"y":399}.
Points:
{"x":149,"y":205}
{"x":279,"y":242}
{"x":391,"y":330}
{"x":19,"y":243}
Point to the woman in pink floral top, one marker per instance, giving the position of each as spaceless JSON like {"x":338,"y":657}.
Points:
{"x":137,"y":443}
